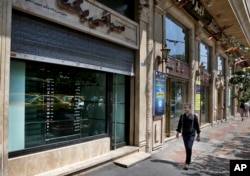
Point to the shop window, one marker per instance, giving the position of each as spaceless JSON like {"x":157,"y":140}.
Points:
{"x":178,"y":97}
{"x":202,"y":86}
{"x":124,"y":7}
{"x":177,"y":40}
{"x":118,"y":115}
{"x":204,"y":56}
{"x":220,"y":65}
{"x":54,"y":103}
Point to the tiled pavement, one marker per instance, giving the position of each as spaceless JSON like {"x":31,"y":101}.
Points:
{"x":211,"y":156}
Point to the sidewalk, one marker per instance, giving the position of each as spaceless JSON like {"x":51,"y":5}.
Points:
{"x":219,"y":144}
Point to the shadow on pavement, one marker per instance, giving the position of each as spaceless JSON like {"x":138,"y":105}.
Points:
{"x":211,"y":165}
{"x":204,"y":165}
{"x":177,"y":165}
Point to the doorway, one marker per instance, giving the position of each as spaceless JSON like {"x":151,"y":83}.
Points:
{"x":177,"y":95}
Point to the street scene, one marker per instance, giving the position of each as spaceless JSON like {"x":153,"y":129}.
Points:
{"x":124,"y":88}
{"x":211,"y":156}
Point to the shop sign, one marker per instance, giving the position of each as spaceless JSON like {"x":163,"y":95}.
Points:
{"x":159,"y":93}
{"x":87,"y":16}
{"x":178,"y":69}
{"x":198,"y":95}
{"x":196,"y":9}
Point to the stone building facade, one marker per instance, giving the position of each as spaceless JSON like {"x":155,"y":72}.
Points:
{"x":84,"y":83}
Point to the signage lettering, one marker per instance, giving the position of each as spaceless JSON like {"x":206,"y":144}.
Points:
{"x":198,"y":7}
{"x":87,"y":16}
{"x":76,"y":6}
{"x":240,"y":167}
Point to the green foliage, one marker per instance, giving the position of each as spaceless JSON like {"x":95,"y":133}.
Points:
{"x":242,"y":79}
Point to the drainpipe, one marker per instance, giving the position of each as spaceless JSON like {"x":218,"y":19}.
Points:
{"x":149,"y":78}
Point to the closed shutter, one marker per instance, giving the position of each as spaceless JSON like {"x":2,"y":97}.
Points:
{"x":36,"y":36}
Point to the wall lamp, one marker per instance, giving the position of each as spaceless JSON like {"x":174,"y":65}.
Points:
{"x":220,"y":75}
{"x":201,"y":70}
{"x":165,"y":51}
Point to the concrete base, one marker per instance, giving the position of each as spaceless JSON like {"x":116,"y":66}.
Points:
{"x":87,"y":164}
{"x":132,"y":159}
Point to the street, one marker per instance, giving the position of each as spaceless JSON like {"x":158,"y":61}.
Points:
{"x":211,"y":156}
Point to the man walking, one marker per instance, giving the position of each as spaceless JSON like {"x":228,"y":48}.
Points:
{"x":187,"y":125}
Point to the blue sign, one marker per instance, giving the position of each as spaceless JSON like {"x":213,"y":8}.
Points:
{"x":159,"y":93}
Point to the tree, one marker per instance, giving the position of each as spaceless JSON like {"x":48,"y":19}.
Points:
{"x":242,"y":80}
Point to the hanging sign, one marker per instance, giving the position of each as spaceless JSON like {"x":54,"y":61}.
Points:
{"x":159,"y":93}
{"x":198,"y":95}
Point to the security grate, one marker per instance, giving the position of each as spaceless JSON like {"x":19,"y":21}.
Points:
{"x":36,"y":36}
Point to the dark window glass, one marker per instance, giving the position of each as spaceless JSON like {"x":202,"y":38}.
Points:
{"x":53,"y":103}
{"x":124,"y":7}
{"x":178,"y":97}
{"x":176,"y":40}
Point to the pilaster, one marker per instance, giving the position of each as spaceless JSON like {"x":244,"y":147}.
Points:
{"x":5,"y":30}
{"x":140,"y":79}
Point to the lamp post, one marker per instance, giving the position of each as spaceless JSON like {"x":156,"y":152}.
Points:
{"x":201,"y":70}
{"x":165,"y":51}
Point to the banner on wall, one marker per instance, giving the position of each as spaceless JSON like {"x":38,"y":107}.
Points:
{"x":198,"y":95}
{"x":159,"y":93}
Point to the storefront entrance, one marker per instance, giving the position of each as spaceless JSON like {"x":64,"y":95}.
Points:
{"x":201,"y":102}
{"x":177,"y":91}
{"x":66,"y":87}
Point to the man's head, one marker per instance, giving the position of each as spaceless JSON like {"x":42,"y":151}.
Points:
{"x":187,"y":107}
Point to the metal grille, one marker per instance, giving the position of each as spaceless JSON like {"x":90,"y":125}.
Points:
{"x":33,"y":35}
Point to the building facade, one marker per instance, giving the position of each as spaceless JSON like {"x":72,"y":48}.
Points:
{"x":86,"y":82}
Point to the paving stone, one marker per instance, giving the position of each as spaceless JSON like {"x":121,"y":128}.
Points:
{"x":211,"y":156}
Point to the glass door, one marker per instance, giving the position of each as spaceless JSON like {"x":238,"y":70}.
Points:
{"x":178,"y":94}
{"x":119,"y":120}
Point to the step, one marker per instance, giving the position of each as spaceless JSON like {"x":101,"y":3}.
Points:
{"x":132,"y":159}
{"x":87,"y":164}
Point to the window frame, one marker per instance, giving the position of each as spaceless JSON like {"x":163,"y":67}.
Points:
{"x":185,"y":31}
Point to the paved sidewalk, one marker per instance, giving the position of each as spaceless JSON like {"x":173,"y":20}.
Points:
{"x":219,"y":144}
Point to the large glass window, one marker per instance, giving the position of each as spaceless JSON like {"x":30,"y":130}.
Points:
{"x":177,"y":40}
{"x":220,"y":65}
{"x":54,"y":103}
{"x":204,"y":56}
{"x":178,"y":97}
{"x":118,"y":115}
{"x":202,"y":101}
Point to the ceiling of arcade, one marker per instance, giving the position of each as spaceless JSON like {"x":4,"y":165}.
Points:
{"x":226,"y":21}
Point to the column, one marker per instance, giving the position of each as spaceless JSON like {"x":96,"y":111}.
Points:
{"x":5,"y":29}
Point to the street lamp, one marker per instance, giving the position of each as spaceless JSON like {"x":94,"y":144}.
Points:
{"x":201,"y":69}
{"x":165,"y":51}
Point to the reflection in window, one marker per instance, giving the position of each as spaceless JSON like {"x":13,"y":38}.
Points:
{"x":53,"y":103}
{"x":118,"y":118}
{"x":204,"y":56}
{"x":220,"y":63}
{"x":178,"y":97}
{"x":176,"y":40}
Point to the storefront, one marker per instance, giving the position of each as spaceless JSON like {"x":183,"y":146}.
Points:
{"x":178,"y":72}
{"x":202,"y":84}
{"x":69,"y":82}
